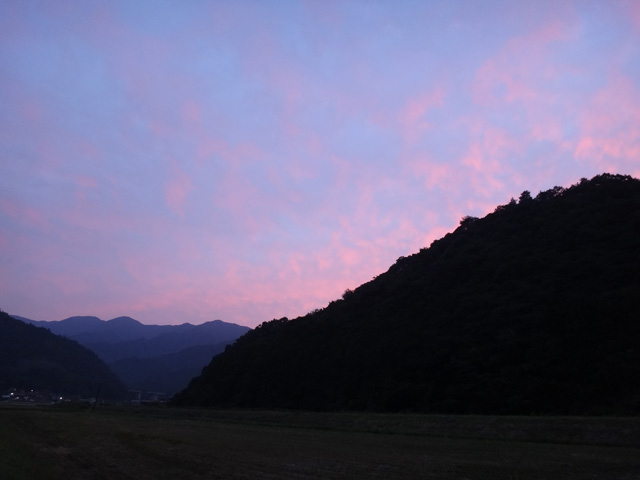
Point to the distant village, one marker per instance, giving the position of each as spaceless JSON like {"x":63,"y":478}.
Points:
{"x":44,"y":397}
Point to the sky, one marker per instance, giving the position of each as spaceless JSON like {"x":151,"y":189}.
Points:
{"x":185,"y":161}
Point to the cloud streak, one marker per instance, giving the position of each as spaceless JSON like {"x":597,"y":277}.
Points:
{"x":248,"y":161}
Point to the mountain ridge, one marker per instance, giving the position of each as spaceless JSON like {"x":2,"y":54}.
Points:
{"x":530,"y":309}
{"x":135,"y":351}
{"x":34,"y":358}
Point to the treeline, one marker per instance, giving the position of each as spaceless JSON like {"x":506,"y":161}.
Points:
{"x":531,"y":309}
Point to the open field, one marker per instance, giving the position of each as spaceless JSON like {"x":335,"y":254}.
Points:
{"x":159,"y":443}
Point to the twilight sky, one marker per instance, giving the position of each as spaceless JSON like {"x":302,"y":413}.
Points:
{"x":185,"y":161}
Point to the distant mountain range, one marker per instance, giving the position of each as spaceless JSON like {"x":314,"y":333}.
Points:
{"x":33,"y":358}
{"x":159,"y":358}
{"x":531,"y":309}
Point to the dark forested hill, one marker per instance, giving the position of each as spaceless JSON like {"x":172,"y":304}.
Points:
{"x":34,"y":358}
{"x":168,"y":373}
{"x":531,"y":309}
{"x":162,"y":358}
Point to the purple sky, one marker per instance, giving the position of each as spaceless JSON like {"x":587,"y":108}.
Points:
{"x":184,"y":161}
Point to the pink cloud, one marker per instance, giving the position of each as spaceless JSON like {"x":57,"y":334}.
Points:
{"x":248,"y":293}
{"x":177,"y":190}
{"x":631,"y":9}
{"x":515,"y":74}
{"x":489,"y":155}
{"x":23,"y":214}
{"x":282,"y":217}
{"x":191,"y":112}
{"x":547,"y":127}
{"x":207,"y":146}
{"x":440,"y":175}
{"x":32,"y":112}
{"x":411,"y":119}
{"x":85,"y":181}
{"x":297,"y":284}
{"x":610,"y":127}
{"x":433,"y":173}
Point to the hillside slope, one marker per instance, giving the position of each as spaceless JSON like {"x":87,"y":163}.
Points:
{"x":532,"y":309}
{"x":168,"y":373}
{"x":34,"y":358}
{"x":160,"y":358}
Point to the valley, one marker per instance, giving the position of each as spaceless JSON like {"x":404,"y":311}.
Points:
{"x":157,"y":443}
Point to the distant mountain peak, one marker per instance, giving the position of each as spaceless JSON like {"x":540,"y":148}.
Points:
{"x":161,"y":357}
{"x":124,"y":321}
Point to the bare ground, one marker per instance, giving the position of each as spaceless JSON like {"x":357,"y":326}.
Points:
{"x":128,"y":443}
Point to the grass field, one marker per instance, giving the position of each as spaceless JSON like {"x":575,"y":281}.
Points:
{"x":166,"y":443}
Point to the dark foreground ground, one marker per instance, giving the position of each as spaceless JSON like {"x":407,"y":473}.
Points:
{"x":163,"y":443}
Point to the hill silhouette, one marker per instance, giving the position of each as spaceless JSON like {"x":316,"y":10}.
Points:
{"x":33,"y":358}
{"x":159,"y":358}
{"x":168,"y":373}
{"x":531,"y":309}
